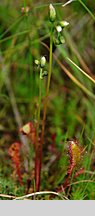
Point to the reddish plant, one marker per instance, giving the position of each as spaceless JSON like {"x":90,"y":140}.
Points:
{"x":30,"y":131}
{"x":38,"y":162}
{"x":79,"y":172}
{"x":14,"y":152}
{"x":75,"y":153}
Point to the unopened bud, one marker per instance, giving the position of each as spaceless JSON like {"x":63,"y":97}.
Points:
{"x":62,"y":40}
{"x":43,"y":62}
{"x":64,"y":23}
{"x":56,"y":41}
{"x":59,"y":40}
{"x":37,"y":62}
{"x":52,"y":13}
{"x":58,"y":28}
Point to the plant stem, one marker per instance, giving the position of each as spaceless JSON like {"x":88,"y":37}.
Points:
{"x":39,"y":107}
{"x":48,"y":86}
{"x":38,"y":145}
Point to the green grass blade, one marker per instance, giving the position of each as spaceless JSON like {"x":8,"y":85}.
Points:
{"x":89,"y":77}
{"x":87,"y":9}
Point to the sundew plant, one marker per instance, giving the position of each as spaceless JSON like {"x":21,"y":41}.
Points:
{"x":47,"y":96}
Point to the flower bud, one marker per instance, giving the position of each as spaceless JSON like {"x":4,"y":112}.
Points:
{"x":52,"y":13}
{"x":37,"y":62}
{"x":58,"y":28}
{"x":62,"y":40}
{"x":56,"y":41}
{"x":43,"y":62}
{"x":63,"y":24}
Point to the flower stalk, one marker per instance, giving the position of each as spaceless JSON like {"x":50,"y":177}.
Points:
{"x":40,"y":143}
{"x":38,"y":149}
{"x":48,"y":85}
